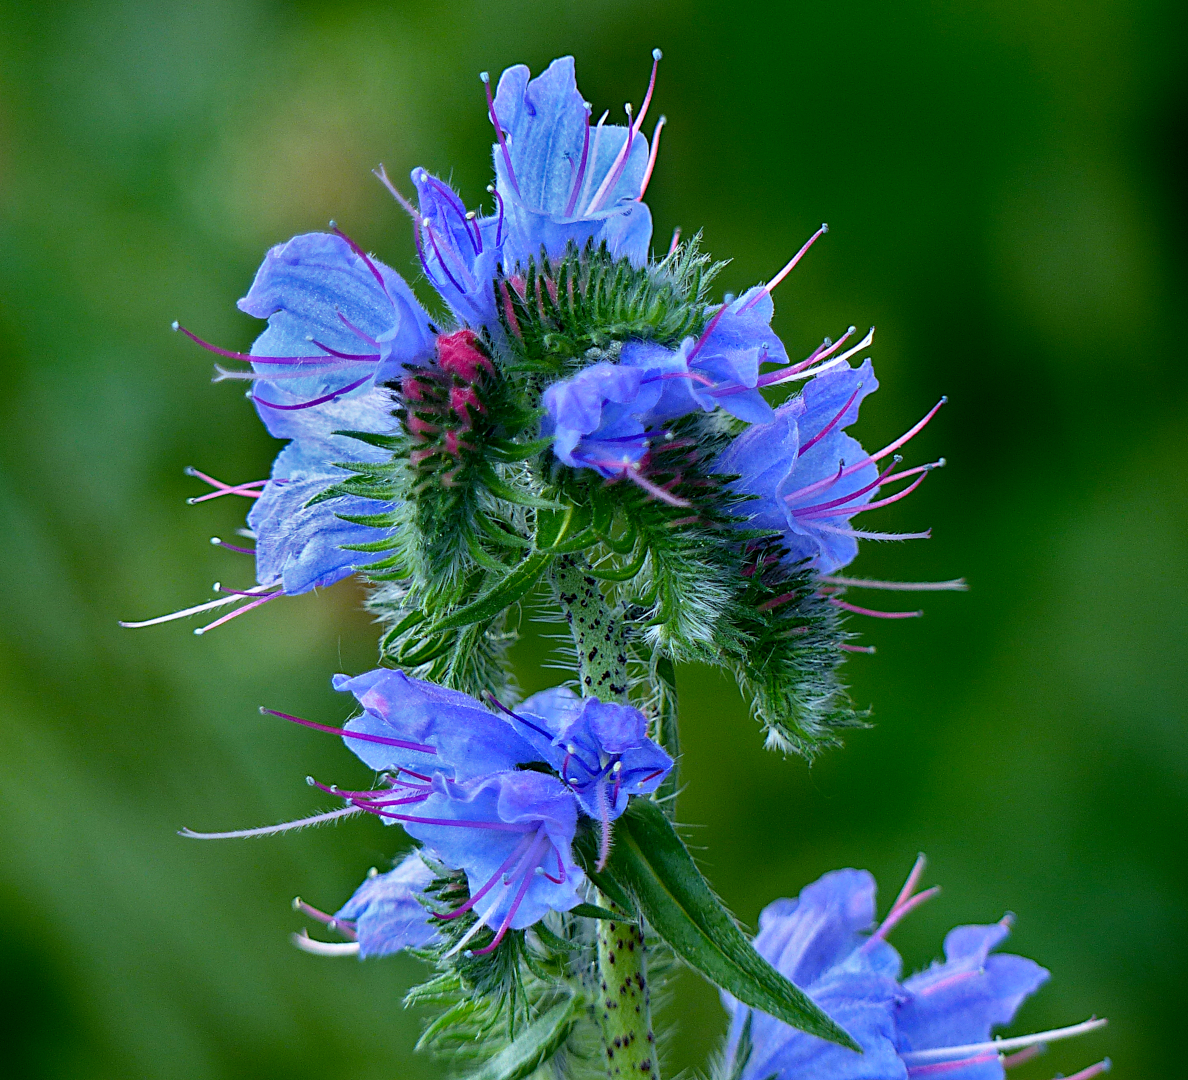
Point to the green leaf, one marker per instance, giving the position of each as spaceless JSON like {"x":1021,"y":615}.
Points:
{"x":677,"y":901}
{"x":593,"y":911}
{"x":514,"y":495}
{"x":538,"y":1042}
{"x":502,"y":595}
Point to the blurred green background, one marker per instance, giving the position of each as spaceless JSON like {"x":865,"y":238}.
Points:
{"x":1004,"y":182}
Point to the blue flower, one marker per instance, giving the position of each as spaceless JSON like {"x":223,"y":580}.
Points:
{"x":386,"y":914}
{"x":558,"y":180}
{"x":338,"y":323}
{"x":936,"y":1022}
{"x":600,"y":417}
{"x":459,"y":250}
{"x":512,"y":834}
{"x":437,"y":730}
{"x":302,"y":546}
{"x":957,"y":1002}
{"x":600,"y":749}
{"x":817,"y":942}
{"x":809,"y":478}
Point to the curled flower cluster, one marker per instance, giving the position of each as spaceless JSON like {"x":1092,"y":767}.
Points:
{"x":585,"y":431}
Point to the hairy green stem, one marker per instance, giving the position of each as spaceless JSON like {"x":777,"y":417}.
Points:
{"x":623,"y":1002}
{"x":624,"y":999}
{"x":599,"y":632}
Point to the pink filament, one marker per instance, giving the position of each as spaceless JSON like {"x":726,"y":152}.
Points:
{"x":788,"y":267}
{"x":316,"y":401}
{"x":382,"y":740}
{"x":876,"y":614}
{"x":643,"y":187}
{"x":237,"y":612}
{"x":511,"y":173}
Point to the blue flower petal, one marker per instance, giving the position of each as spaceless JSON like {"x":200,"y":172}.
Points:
{"x":386,"y":911}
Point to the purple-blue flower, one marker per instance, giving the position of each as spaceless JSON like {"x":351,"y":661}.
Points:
{"x":511,"y":832}
{"x":301,"y":546}
{"x":809,"y":478}
{"x":561,"y":180}
{"x":817,"y":942}
{"x":459,"y":250}
{"x":385,"y":913}
{"x":935,"y":1023}
{"x":338,"y":322}
{"x":600,"y":749}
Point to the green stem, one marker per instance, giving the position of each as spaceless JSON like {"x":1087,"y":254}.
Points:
{"x":599,"y":632}
{"x":623,"y":999}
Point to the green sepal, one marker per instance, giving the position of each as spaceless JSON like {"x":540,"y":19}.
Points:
{"x":500,"y":535}
{"x":511,"y":589}
{"x":622,"y":573}
{"x":593,"y":911}
{"x":650,"y":859}
{"x":538,"y":1042}
{"x":515,"y":495}
{"x":509,"y":451}
{"x":372,"y":438}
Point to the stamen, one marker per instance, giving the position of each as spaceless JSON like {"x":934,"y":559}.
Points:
{"x":881,"y":478}
{"x":709,"y":329}
{"x":428,"y":229}
{"x":876,"y":614}
{"x":788,"y":267}
{"x":913,"y":880}
{"x":676,"y":239}
{"x":868,"y":649}
{"x":355,"y":330}
{"x":1011,"y":1060}
{"x":511,"y":173}
{"x":272,"y":830}
{"x":825,"y":349}
{"x":532,"y":858}
{"x":949,"y":1066}
{"x":455,"y":204}
{"x":845,"y":511}
{"x":582,"y":200}
{"x":515,"y":716}
{"x":514,"y":857}
{"x":617,"y":166}
{"x":1102,"y":1066}
{"x":499,"y":202}
{"x":657,"y":56}
{"x":831,"y":425}
{"x":382,"y":175}
{"x":241,"y":356}
{"x":343,"y":926}
{"x":652,"y":156}
{"x":897,"y":914}
{"x":199,"y":631}
{"x":223,"y":489}
{"x":910,"y":434}
{"x":362,"y":255}
{"x":479,"y":924}
{"x":222,"y":374}
{"x":798,"y":371}
{"x":956,"y":585}
{"x":231,"y":547}
{"x":325,"y":948}
{"x":208,"y":606}
{"x":382,"y":740}
{"x":316,"y":401}
{"x":581,"y":171}
{"x":946,"y":1053}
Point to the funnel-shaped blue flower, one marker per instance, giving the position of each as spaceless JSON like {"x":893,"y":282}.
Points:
{"x":936,"y":1023}
{"x":459,"y":250}
{"x":816,"y":942}
{"x":560,"y":180}
{"x":386,"y":913}
{"x":338,"y":322}
{"x":303,"y":545}
{"x":600,"y":749}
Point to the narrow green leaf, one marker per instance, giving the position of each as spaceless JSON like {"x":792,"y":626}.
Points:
{"x":538,"y":1042}
{"x":622,"y":573}
{"x":514,"y":495}
{"x":502,"y":595}
{"x":593,"y":911}
{"x":680,"y":906}
{"x":510,"y":451}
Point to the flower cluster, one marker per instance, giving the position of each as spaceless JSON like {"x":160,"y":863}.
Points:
{"x":492,"y":792}
{"x":934,"y":1023}
{"x":583,"y":429}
